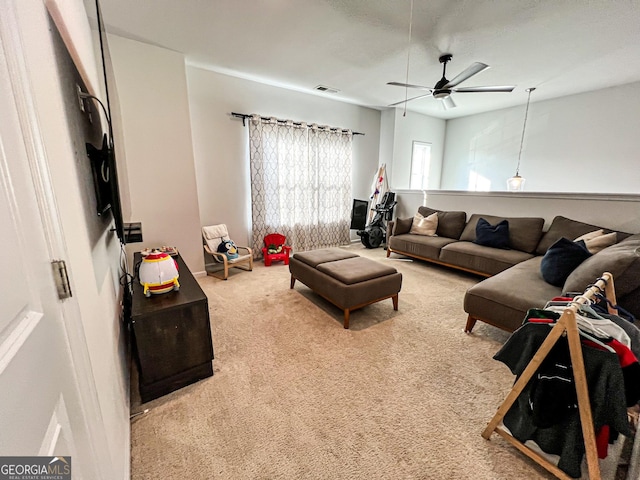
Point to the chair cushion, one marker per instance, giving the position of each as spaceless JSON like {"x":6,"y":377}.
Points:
{"x":240,"y":259}
{"x":214,"y":235}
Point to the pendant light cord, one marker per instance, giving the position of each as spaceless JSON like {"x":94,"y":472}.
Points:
{"x":524,"y":127}
{"x":406,"y":88}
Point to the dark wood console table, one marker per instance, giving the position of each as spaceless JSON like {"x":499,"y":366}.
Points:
{"x":171,"y":335}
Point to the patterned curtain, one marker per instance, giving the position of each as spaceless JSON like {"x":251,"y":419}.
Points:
{"x":300,"y":183}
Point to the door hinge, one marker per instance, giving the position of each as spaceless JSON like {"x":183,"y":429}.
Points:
{"x":61,"y":278}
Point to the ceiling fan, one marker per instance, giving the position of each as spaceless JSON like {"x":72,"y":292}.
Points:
{"x":444,"y":88}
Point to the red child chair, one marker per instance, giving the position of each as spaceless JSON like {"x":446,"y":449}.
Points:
{"x":275,"y":249}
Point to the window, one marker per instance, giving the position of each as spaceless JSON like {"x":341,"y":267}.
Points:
{"x":300,"y":183}
{"x":420,"y":165}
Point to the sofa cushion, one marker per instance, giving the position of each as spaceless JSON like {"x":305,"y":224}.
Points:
{"x":622,"y":260}
{"x":424,"y":225}
{"x":402,"y":225}
{"x":419,"y":245}
{"x":562,"y":258}
{"x":563,"y":227}
{"x":496,"y":236}
{"x":504,"y":299}
{"x":524,"y":232}
{"x":450,"y":224}
{"x":481,"y":259}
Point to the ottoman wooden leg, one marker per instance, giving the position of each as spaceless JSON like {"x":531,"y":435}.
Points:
{"x":346,"y":318}
{"x":394,"y":299}
{"x":293,"y":281}
{"x":470,"y":324}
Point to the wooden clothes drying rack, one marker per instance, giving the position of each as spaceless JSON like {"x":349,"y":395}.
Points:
{"x":565,"y":325}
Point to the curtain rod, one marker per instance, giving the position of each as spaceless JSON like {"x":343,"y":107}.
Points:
{"x":244,"y":116}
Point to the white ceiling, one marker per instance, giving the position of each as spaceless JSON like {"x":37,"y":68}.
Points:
{"x":560,"y":47}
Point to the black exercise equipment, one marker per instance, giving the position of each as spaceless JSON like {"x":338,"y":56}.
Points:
{"x":374,"y":234}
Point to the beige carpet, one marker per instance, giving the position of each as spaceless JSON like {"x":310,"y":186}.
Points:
{"x":401,"y":395}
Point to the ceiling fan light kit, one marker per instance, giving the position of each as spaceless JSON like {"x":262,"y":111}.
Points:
{"x":444,"y":88}
{"x":441,"y":93}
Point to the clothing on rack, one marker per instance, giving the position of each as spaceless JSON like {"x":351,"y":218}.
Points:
{"x":604,"y":302}
{"x":606,"y":394}
{"x":629,"y":328}
{"x":630,"y":370}
{"x":627,"y":357}
{"x":596,"y":325}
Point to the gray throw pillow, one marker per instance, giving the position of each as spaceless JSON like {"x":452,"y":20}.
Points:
{"x":402,"y":226}
{"x":450,"y":224}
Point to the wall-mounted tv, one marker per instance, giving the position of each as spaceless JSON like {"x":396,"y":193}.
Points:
{"x":103,"y":160}
{"x":105,"y":182}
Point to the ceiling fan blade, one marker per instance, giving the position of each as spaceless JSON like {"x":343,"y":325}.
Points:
{"x":408,"y":85}
{"x":497,"y":88}
{"x":409,"y":99}
{"x":477,"y":67}
{"x":447,"y":103}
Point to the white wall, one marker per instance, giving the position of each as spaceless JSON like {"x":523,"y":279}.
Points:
{"x":406,"y":130}
{"x":92,"y":251}
{"x":387,"y":134}
{"x":587,"y":142}
{"x":220,"y":142}
{"x":152,"y":88}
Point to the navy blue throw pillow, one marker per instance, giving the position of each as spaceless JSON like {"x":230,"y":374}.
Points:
{"x":492,"y":236}
{"x":562,"y":258}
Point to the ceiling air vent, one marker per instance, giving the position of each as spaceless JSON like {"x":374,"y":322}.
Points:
{"x":324,"y":88}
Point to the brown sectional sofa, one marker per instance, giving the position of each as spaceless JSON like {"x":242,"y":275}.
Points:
{"x":515,"y":283}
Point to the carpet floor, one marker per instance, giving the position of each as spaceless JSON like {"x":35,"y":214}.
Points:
{"x":400,"y":395}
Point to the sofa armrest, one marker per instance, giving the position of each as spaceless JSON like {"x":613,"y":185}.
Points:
{"x":390,"y":225}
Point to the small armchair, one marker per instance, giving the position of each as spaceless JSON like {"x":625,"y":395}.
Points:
{"x":275,"y":240}
{"x":212,"y":237}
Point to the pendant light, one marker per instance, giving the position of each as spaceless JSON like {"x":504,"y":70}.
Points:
{"x":516,"y":183}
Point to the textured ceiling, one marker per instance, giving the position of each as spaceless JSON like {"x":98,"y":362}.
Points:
{"x":560,"y":47}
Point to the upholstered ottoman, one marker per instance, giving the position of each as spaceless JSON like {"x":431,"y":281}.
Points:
{"x":345,"y":279}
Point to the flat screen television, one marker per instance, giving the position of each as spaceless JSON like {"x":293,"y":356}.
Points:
{"x":359,"y":214}
{"x":103,"y":160}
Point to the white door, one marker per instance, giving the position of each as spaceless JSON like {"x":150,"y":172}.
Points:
{"x":42,"y":411}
